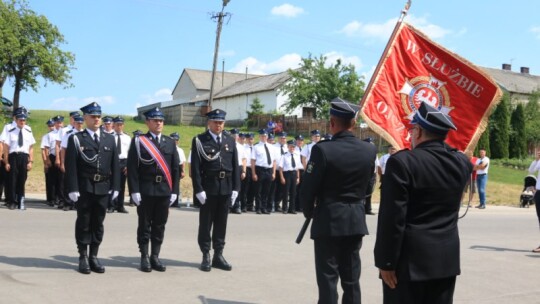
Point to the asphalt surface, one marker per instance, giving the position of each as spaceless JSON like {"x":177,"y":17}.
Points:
{"x":38,"y":260}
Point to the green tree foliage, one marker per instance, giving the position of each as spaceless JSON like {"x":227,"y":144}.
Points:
{"x":518,"y":139}
{"x":483,"y":143}
{"x":499,"y":125}
{"x":256,"y":107}
{"x":30,"y":49}
{"x":532,"y":119}
{"x":316,"y":83}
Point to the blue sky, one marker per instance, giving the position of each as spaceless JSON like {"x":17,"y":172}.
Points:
{"x":132,"y":52}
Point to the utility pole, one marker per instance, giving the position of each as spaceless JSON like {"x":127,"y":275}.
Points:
{"x":219,"y":17}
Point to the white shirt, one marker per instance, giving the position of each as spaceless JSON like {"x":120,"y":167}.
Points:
{"x":535,"y":168}
{"x":8,"y":127}
{"x":92,"y":133}
{"x":63,"y":131}
{"x":65,"y":137}
{"x":45,"y":141}
{"x":383,"y":160}
{"x":181,"y":155}
{"x":241,"y":153}
{"x":247,"y":152}
{"x":282,"y":149}
{"x":12,"y":140}
{"x":259,"y":155}
{"x":306,"y":151}
{"x":285,"y":162}
{"x":51,"y":140}
{"x":125,"y":143}
{"x":484,"y":160}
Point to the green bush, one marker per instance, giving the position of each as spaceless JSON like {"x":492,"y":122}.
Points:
{"x":519,"y":164}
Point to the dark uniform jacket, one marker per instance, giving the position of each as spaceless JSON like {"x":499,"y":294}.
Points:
{"x":98,"y":177}
{"x":336,"y":178}
{"x":417,"y":233}
{"x":148,"y":179}
{"x":205,"y":174}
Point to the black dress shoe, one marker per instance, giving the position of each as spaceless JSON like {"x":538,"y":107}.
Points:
{"x":156,"y":264}
{"x":205,"y":264}
{"x":244,"y":210}
{"x":66,"y":208}
{"x":83,"y":265}
{"x":145,"y":264}
{"x":370,"y":213}
{"x":110,"y":210}
{"x":265,"y":212}
{"x":95,"y":265}
{"x":220,"y":262}
{"x":258,"y":211}
{"x":237,"y":211}
{"x":122,"y":210}
{"x":11,"y":206}
{"x":292,"y":212}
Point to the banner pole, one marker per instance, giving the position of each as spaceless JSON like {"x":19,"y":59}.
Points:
{"x":385,"y":52}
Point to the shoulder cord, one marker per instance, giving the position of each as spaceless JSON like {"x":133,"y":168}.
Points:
{"x":138,"y":148}
{"x":200,"y":149}
{"x":83,"y":156}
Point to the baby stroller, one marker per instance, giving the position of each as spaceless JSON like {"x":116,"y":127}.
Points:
{"x":529,"y":188}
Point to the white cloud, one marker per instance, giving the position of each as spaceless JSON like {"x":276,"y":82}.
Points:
{"x":72,"y":103}
{"x":287,"y":10}
{"x":383,"y":31}
{"x":160,"y":95}
{"x":332,"y":56}
{"x":256,"y":66}
{"x":536,"y":31}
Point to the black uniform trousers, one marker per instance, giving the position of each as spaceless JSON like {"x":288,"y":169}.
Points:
{"x":213,"y":217}
{"x":3,"y":178}
{"x":537,"y":204}
{"x":49,"y":186}
{"x":369,"y":192}
{"x":289,"y":191}
{"x":153,"y":213}
{"x":298,"y":205}
{"x":16,"y":177}
{"x":91,"y":210}
{"x":440,"y":291}
{"x":247,"y":191}
{"x":262,"y":188}
{"x":57,"y":177}
{"x":338,"y":258}
{"x":119,"y":201}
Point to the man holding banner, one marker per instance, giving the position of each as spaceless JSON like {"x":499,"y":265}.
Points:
{"x":153,"y":180}
{"x":418,"y":81}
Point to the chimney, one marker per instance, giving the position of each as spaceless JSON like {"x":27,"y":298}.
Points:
{"x":524,"y":70}
{"x":507,"y":67}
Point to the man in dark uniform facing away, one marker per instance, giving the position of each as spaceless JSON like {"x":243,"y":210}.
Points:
{"x":153,"y":180}
{"x":417,"y":246}
{"x":216,"y":181}
{"x":91,"y":163}
{"x":332,"y":193}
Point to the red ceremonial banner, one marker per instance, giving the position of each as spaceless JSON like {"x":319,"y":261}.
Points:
{"x":416,"y":69}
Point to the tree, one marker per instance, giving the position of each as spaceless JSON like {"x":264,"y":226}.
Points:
{"x":315,"y":85}
{"x":30,"y":49}
{"x":483,"y":143}
{"x":499,"y":126}
{"x":256,"y":107}
{"x":532,"y":119}
{"x":518,"y":139}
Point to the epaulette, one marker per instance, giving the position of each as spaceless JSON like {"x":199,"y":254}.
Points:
{"x":27,"y":128}
{"x":165,"y":136}
{"x":70,"y":131}
{"x":12,"y":130}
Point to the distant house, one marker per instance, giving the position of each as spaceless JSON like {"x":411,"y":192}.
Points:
{"x":518,"y":85}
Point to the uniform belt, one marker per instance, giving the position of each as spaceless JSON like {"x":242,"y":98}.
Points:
{"x":218,"y":174}
{"x":329,"y":201}
{"x":97,"y":178}
{"x":156,"y":178}
{"x":262,"y":168}
{"x":481,"y":174}
{"x":18,"y":153}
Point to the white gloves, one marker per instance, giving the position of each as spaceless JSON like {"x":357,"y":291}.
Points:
{"x":136,"y":197}
{"x":201,"y":196}
{"x":173,"y":198}
{"x":234,"y":195}
{"x":114,"y":195}
{"x":74,"y":196}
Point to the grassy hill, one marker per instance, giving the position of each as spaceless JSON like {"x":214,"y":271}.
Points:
{"x":503,"y":188}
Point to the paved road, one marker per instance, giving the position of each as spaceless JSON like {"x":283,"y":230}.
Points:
{"x":38,"y":260}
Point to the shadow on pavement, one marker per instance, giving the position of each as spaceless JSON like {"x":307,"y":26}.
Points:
{"x":53,"y":263}
{"x":491,"y":248}
{"x":205,"y":300}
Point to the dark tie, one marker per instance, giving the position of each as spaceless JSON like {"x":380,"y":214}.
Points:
{"x":218,"y":139}
{"x":156,"y":141}
{"x":20,"y":138}
{"x":292,"y":161}
{"x":267,"y":155}
{"x":119,"y":144}
{"x":96,"y":139}
{"x":282,"y":152}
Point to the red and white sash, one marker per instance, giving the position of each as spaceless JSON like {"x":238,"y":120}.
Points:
{"x":157,"y":157}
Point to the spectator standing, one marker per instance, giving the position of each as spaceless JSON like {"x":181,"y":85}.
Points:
{"x":482,"y":167}
{"x":534,"y":168}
